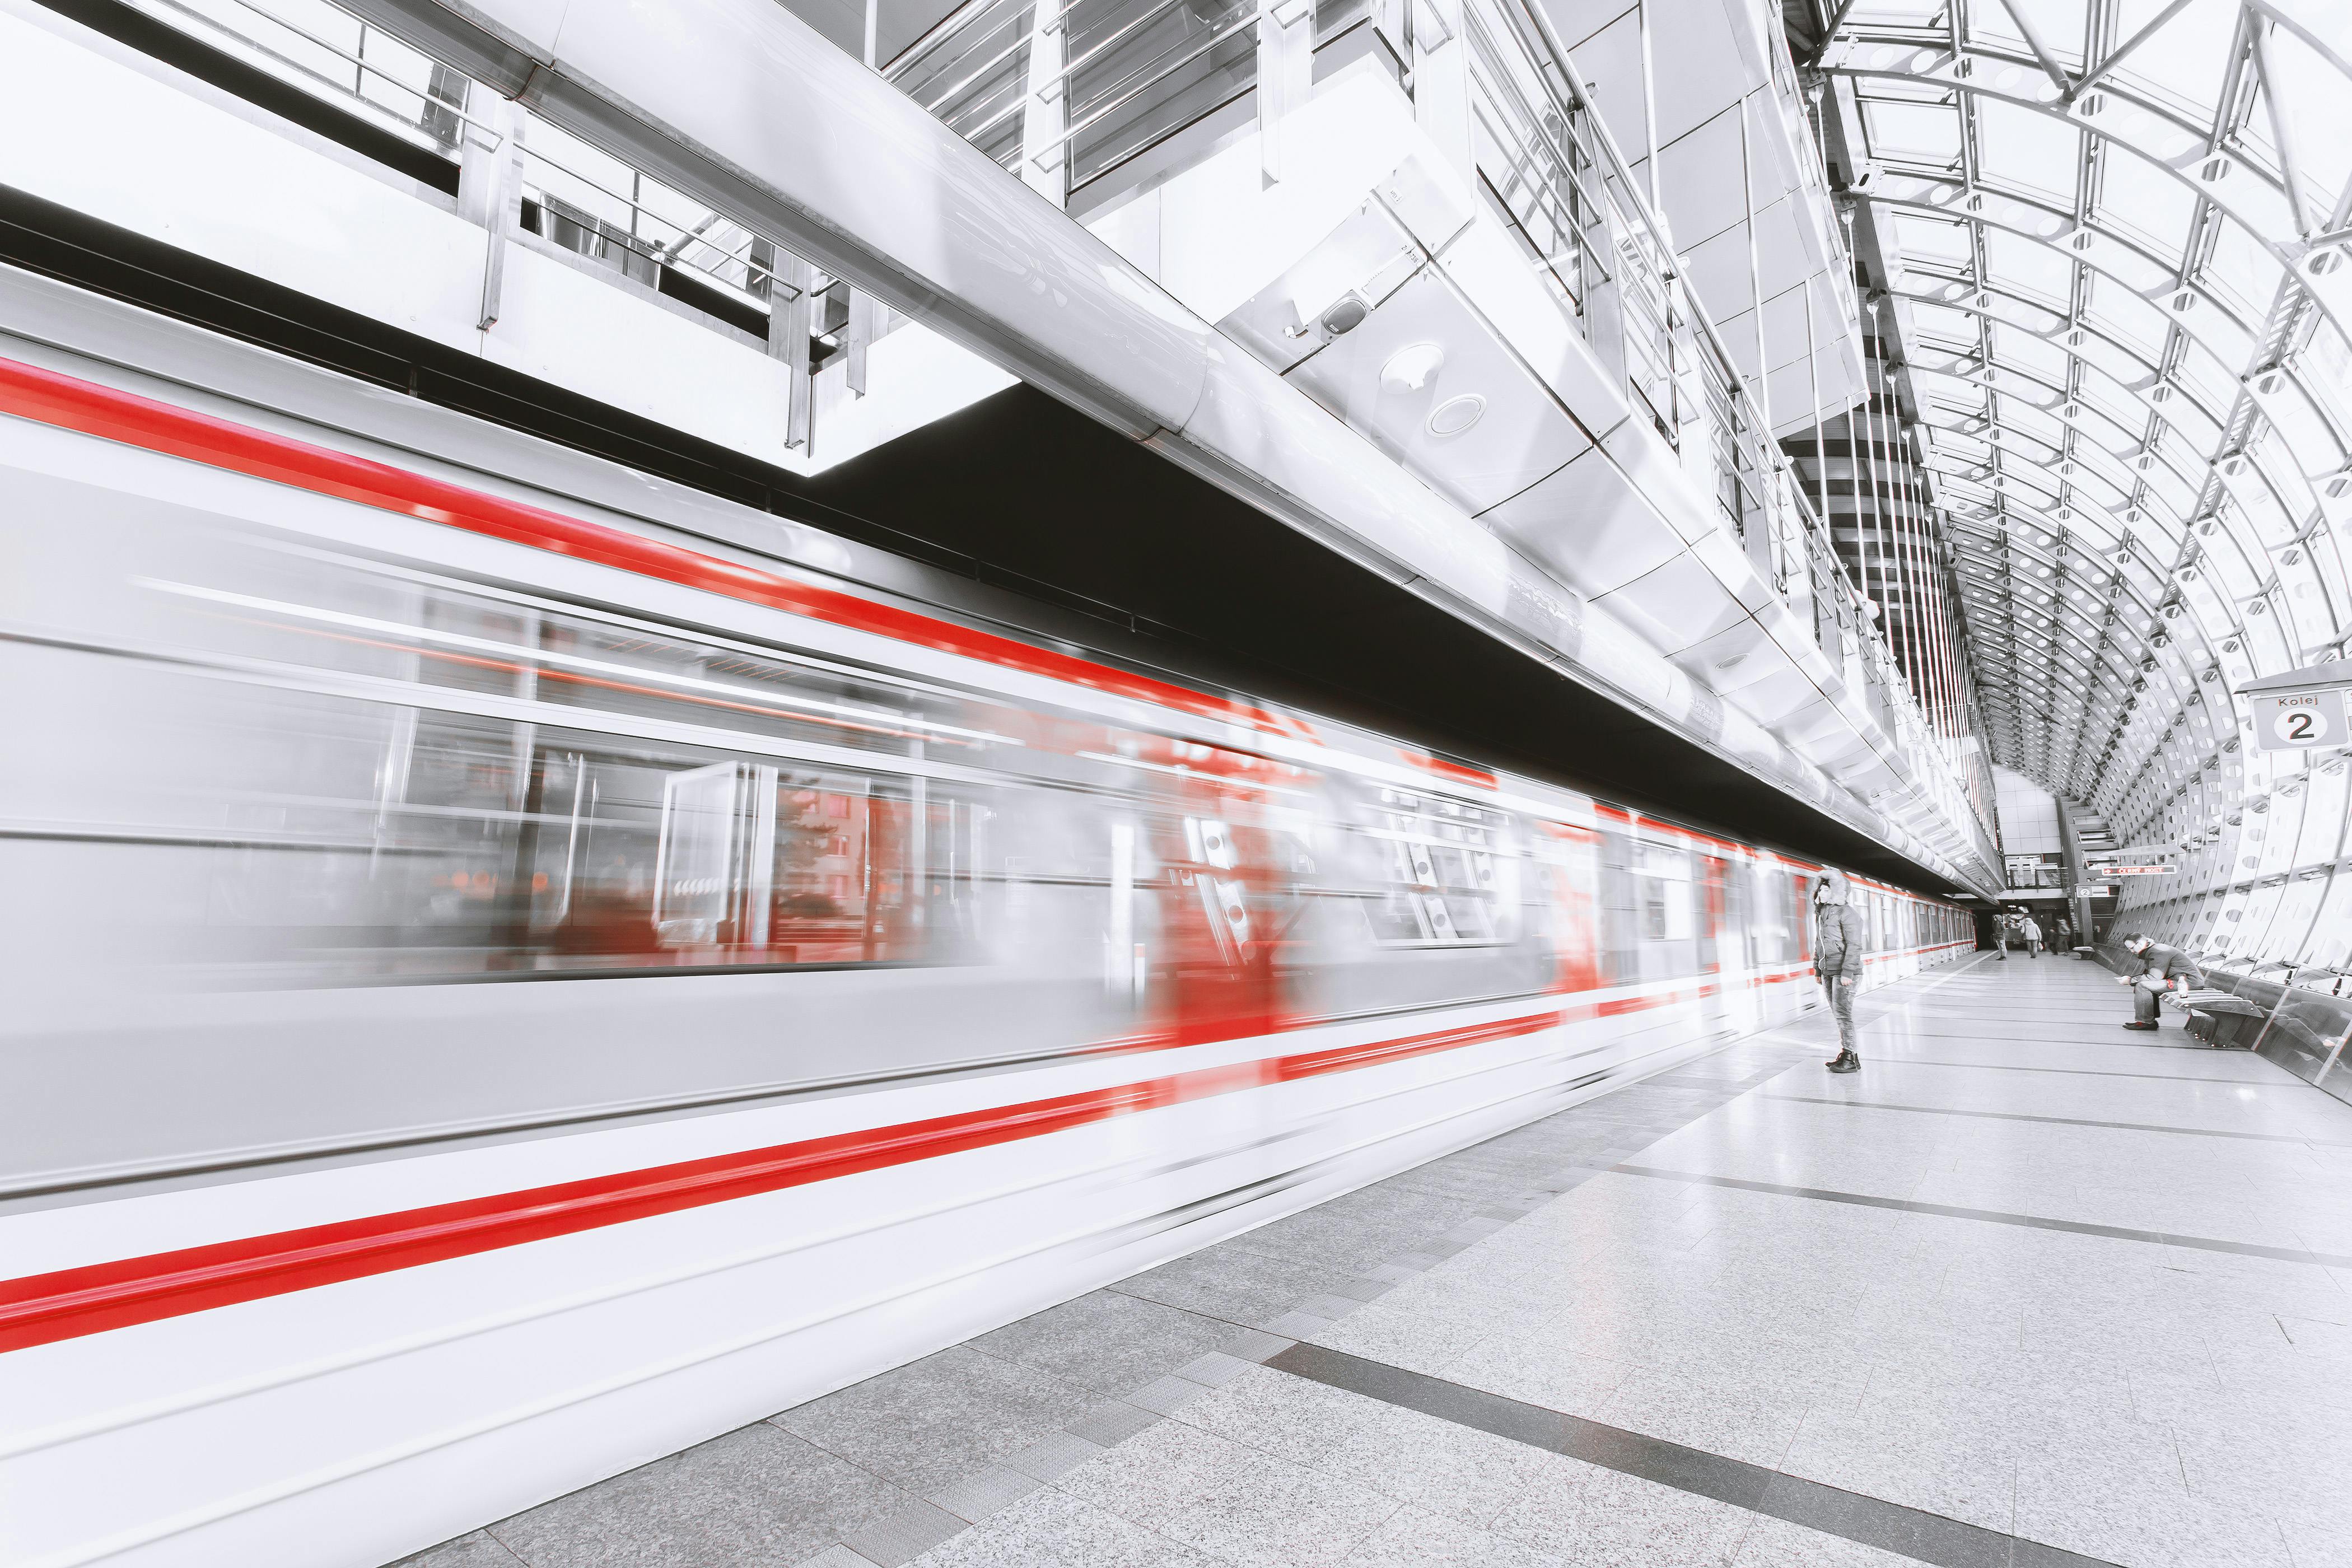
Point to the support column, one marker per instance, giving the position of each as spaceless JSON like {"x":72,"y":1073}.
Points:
{"x":1285,"y":75}
{"x":1441,"y":81}
{"x":2070,"y":848}
{"x":489,"y":188}
{"x":864,"y":312}
{"x":789,"y":302}
{"x":1755,"y":274}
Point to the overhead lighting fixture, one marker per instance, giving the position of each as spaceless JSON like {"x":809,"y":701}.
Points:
{"x":1456,"y":415}
{"x":1412,"y":368}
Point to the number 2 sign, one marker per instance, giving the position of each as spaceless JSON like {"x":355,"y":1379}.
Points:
{"x":2298,"y":722}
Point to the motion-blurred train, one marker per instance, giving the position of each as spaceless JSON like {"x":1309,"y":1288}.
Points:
{"x":498,"y":988}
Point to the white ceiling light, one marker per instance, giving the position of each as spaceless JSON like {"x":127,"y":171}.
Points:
{"x":1410,"y":368}
{"x":1457,"y":414}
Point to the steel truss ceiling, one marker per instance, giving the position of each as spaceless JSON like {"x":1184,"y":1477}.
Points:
{"x":2114,"y":235}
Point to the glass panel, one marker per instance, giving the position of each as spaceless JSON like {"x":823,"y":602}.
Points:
{"x":2027,"y":151}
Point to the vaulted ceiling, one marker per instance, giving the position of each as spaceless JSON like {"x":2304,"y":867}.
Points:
{"x":2114,"y":237}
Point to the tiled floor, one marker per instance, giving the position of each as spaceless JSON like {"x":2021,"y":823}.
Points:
{"x":2028,"y":1289}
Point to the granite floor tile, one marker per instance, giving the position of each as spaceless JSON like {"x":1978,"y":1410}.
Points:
{"x":978,"y":1496}
{"x":1234,"y":1502}
{"x":2151,"y":1528}
{"x":756,"y":1496}
{"x":1715,"y":1416}
{"x":1051,"y":1528}
{"x":1537,"y":1373}
{"x":1105,"y":1340}
{"x":1401,"y":1338}
{"x":477,"y":1548}
{"x":1777,"y":1543}
{"x":1946,"y":1459}
{"x":1414,"y":1538}
{"x":1240,"y":1285}
{"x":1294,"y":1419}
{"x":933,"y":1422}
{"x":1355,"y":1232}
{"x":2312,"y":1546}
{"x":1611,"y":1521}
{"x":1440,"y":1468}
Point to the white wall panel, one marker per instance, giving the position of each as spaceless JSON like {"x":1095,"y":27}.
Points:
{"x":95,"y":136}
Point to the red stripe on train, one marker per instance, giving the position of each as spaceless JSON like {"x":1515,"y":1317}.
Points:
{"x":50,"y":398}
{"x":41,"y":1309}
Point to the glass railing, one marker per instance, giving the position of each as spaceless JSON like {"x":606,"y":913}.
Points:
{"x":572,"y":194}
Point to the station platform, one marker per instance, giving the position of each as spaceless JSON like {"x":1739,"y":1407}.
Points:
{"x":2028,"y":1289}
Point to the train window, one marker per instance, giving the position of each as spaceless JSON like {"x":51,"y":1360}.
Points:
{"x":1449,"y":872}
{"x":518,"y":787}
{"x":1776,"y":940}
{"x":1621,"y":948}
{"x":1740,"y":935}
{"x":623,"y":856}
{"x":1665,"y":892}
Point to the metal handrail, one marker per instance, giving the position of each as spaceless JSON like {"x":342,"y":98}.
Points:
{"x":932,"y":36}
{"x":661,"y":251}
{"x":1248,"y":23}
{"x":247,"y":40}
{"x":979,"y":73}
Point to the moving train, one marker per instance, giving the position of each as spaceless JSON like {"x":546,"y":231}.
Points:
{"x":501,"y":986}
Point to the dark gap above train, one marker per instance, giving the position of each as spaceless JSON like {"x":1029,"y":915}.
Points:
{"x":1078,"y":532}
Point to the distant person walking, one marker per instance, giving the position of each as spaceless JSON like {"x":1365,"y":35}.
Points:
{"x":2032,"y":935}
{"x":1840,"y":938}
{"x":2000,"y":935}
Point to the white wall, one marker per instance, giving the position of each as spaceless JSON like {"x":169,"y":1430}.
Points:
{"x":2029,"y":815}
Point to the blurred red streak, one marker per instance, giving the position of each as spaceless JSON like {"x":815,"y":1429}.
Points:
{"x":42,"y":1309}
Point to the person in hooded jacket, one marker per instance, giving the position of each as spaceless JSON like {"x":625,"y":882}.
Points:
{"x":1840,"y":938}
{"x":2158,"y":970}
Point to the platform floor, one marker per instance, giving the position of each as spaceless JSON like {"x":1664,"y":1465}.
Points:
{"x":2030,"y":1289}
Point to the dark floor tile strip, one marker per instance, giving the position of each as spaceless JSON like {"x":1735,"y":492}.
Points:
{"x":1890,"y":1527}
{"x":2055,"y":1038}
{"x":1996,"y":1216}
{"x":2055,"y":1120}
{"x":2087,"y":1072}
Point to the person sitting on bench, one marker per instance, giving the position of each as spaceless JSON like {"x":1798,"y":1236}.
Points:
{"x":2158,"y":968}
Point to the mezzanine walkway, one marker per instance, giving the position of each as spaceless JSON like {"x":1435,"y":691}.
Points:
{"x":2028,"y":1289}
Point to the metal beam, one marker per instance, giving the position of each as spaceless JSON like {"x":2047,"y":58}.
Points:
{"x":2049,"y":66}
{"x":2116,"y":55}
{"x":2298,"y":200}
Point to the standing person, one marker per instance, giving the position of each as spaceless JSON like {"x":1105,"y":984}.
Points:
{"x":2032,"y":935}
{"x":1841,"y":938}
{"x":2000,"y":933}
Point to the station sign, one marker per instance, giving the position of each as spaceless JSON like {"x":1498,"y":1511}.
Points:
{"x":2298,"y":720}
{"x":2300,"y":708}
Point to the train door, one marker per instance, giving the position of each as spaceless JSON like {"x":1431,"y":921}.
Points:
{"x":1743,"y":997}
{"x":1568,"y":871}
{"x":1715,"y":945}
{"x":1619,"y":925}
{"x":1230,"y":903}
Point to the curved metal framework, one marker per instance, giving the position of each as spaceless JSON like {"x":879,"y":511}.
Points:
{"x":2117,"y":237}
